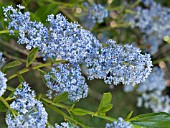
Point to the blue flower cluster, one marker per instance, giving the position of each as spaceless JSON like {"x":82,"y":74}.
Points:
{"x":96,"y":12}
{"x":155,"y":100}
{"x":67,"y":78}
{"x":65,"y":125}
{"x":31,"y":112}
{"x":3,"y":84}
{"x":116,"y":64}
{"x":32,"y":34}
{"x":155,"y":81}
{"x":69,"y":41}
{"x":3,"y":80}
{"x":62,"y":39}
{"x":153,"y":22}
{"x":152,"y":92}
{"x":119,"y":124}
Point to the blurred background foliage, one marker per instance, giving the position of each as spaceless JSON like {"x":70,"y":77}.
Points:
{"x":114,"y":27}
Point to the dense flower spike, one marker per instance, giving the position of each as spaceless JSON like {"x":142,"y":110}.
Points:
{"x":116,"y":64}
{"x":153,"y":21}
{"x":119,"y":124}
{"x":96,"y":12}
{"x":69,"y":41}
{"x":62,"y":40}
{"x":31,"y":112}
{"x":3,"y":84}
{"x":15,"y":17}
{"x":2,"y":60}
{"x":67,"y":78}
{"x":32,"y":34}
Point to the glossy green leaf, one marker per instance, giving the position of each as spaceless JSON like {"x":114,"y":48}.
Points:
{"x":42,"y":73}
{"x":65,"y":115}
{"x":26,"y":2}
{"x":12,"y":64}
{"x":34,"y":17}
{"x":46,"y":10}
{"x":129,"y":115}
{"x":105,"y":104}
{"x":105,"y":109}
{"x":21,"y":79}
{"x":81,"y":112}
{"x":61,"y":97}
{"x":31,"y":57}
{"x":10,"y":97}
{"x":152,"y":120}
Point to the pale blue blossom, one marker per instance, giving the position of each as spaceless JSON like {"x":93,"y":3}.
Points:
{"x":119,"y":64}
{"x":153,"y":21}
{"x":155,"y":101}
{"x":96,"y":12}
{"x":67,"y":78}
{"x":61,"y":39}
{"x":119,"y":124}
{"x":3,"y":84}
{"x":151,"y":92}
{"x":31,"y":112}
{"x":66,"y":125}
{"x":155,"y":81}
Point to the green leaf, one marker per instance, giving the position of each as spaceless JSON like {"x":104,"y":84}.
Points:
{"x":152,"y":120}
{"x":61,"y":97}
{"x":66,"y":116}
{"x":46,"y":10}
{"x":129,"y":115}
{"x":26,"y":2}
{"x":105,"y":104}
{"x":31,"y":57}
{"x":130,"y":11}
{"x":81,"y":112}
{"x":34,"y":17}
{"x":12,"y":64}
{"x":105,"y":109}
{"x":10,"y":97}
{"x":21,"y":79}
{"x":42,"y":73}
{"x":3,"y":107}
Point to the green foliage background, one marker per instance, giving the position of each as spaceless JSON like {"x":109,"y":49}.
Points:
{"x":123,"y":102}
